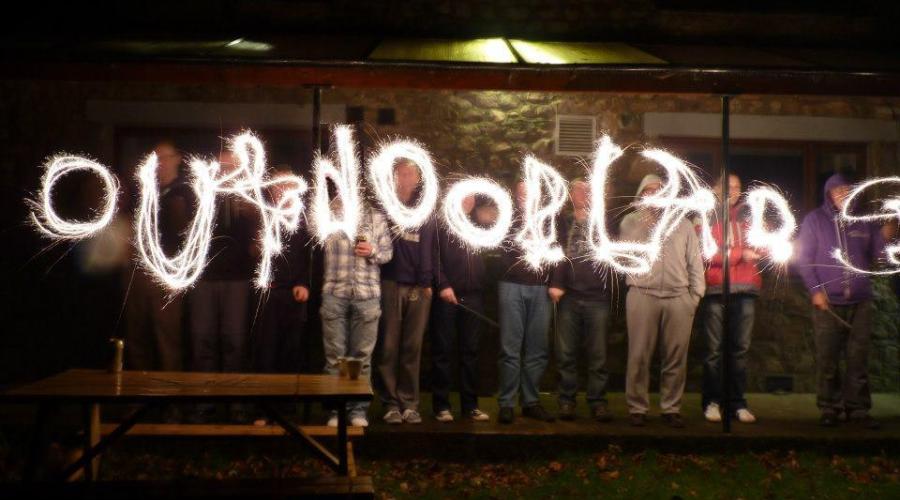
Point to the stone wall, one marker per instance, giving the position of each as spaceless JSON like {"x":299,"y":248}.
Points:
{"x":467,"y":132}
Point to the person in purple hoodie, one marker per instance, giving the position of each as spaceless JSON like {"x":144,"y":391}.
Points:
{"x":405,"y":302}
{"x":842,"y":303}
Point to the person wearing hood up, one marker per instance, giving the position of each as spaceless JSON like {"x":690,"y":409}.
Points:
{"x":660,"y":307}
{"x":842,"y":303}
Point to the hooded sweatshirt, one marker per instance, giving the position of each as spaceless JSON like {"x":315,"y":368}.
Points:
{"x":679,"y":268}
{"x":821,"y":233}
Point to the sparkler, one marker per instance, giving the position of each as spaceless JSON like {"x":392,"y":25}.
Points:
{"x":247,"y":181}
{"x":381,"y":176}
{"x":45,"y":217}
{"x":346,"y":182}
{"x":460,"y":224}
{"x":890,"y":209}
{"x":538,"y":234}
{"x":633,"y":257}
{"x":778,"y":242}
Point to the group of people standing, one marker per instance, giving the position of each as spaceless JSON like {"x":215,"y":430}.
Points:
{"x":381,"y":290}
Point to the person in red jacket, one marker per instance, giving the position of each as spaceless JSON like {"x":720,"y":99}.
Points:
{"x":745,"y":285}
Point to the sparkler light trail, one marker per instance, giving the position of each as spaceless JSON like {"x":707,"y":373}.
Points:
{"x":247,"y":181}
{"x":346,"y":181}
{"x":777,"y":243}
{"x":633,"y":257}
{"x":182,"y":269}
{"x":460,"y":224}
{"x":538,"y":234}
{"x":890,"y":209}
{"x":44,"y":216}
{"x":381,"y":177}
{"x":280,"y":205}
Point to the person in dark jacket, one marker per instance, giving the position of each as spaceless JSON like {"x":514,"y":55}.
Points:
{"x":460,"y":279}
{"x":283,"y":317}
{"x":154,"y":317}
{"x":745,"y":284}
{"x":583,"y":313}
{"x":842,"y":303}
{"x":406,"y":291}
{"x":219,"y":302}
{"x":525,"y":303}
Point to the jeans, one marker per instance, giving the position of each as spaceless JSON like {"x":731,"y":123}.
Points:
{"x":741,"y":307}
{"x":455,"y":328}
{"x":524,"y":323}
{"x":849,"y":393}
{"x":350,"y":329}
{"x":582,"y":328}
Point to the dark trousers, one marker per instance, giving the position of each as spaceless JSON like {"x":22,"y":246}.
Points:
{"x":279,"y":334}
{"x":741,"y":309}
{"x":219,"y":322}
{"x":404,"y":316}
{"x":153,"y":337}
{"x":849,"y":393}
{"x":455,"y":329}
{"x":582,"y":329}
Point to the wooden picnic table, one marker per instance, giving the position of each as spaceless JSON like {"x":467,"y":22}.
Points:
{"x":148,"y":390}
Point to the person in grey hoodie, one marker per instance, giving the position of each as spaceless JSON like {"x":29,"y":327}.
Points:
{"x":660,"y":306}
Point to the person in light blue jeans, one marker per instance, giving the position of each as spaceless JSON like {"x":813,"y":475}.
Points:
{"x":350,"y":329}
{"x":524,"y":322}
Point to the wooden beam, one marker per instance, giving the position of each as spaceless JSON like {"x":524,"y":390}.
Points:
{"x":212,"y":430}
{"x":637,"y":79}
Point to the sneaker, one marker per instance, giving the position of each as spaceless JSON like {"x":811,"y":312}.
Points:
{"x":332,"y":420}
{"x":637,"y":419}
{"x":601,"y":412}
{"x":411,"y":416}
{"x":477,"y":415}
{"x":537,"y":412}
{"x":393,"y":417}
{"x":359,"y":421}
{"x":866,"y":421}
{"x":566,"y":411}
{"x":506,"y":415}
{"x":745,"y":417}
{"x":828,"y":419}
{"x":444,"y":416}
{"x":673,"y":420}
{"x":712,"y":413}
{"x":262,"y":422}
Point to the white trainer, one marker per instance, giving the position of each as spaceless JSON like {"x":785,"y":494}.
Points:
{"x":477,"y":415}
{"x":332,"y":421}
{"x":359,"y":421}
{"x":444,"y":416}
{"x":745,"y":417}
{"x":411,"y":416}
{"x":393,"y":417}
{"x":712,"y":413}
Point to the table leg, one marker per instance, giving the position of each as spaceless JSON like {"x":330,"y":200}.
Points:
{"x":342,"y":438}
{"x":91,"y":419}
{"x":93,"y":451}
{"x":37,"y":448}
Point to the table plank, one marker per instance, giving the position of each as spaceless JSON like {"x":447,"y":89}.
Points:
{"x":226,"y":430}
{"x":102,"y":386}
